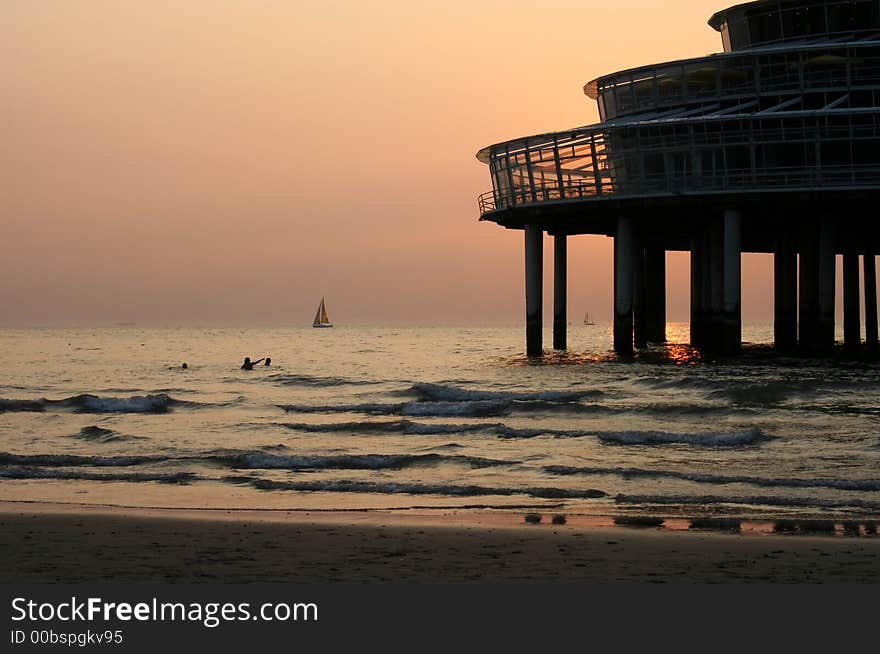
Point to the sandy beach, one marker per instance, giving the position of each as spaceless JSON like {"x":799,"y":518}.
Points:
{"x":72,"y":543}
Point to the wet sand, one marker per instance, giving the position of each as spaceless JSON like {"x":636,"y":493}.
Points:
{"x":72,"y":544}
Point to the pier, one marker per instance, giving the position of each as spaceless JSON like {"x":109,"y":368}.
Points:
{"x":772,"y":146}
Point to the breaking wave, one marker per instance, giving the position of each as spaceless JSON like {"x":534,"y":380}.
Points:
{"x":498,"y":429}
{"x":503,"y":407}
{"x":770,"y":482}
{"x":389,"y":488}
{"x":255,"y":460}
{"x":86,"y":403}
{"x":705,"y":439}
{"x":503,"y":431}
{"x":475,"y":408}
{"x":23,"y":472}
{"x":450,"y":409}
{"x":21,"y":405}
{"x":369,"y":408}
{"x":262,"y":460}
{"x":765,"y":393}
{"x":421,"y":409}
{"x":97,"y":434}
{"x":395,"y":426}
{"x":441,"y":393}
{"x":64,"y":460}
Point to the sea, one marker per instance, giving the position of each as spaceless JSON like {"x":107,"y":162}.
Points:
{"x":445,"y":419}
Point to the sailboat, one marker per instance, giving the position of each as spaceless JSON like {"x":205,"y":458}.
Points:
{"x":588,"y":320}
{"x":321,"y":319}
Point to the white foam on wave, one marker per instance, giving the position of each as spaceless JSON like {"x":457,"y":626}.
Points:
{"x":88,"y":403}
{"x":136,"y":404}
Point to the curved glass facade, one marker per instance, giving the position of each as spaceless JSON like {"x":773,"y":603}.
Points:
{"x":768,"y":22}
{"x":790,"y":117}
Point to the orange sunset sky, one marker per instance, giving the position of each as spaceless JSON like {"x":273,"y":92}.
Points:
{"x":231,"y":161}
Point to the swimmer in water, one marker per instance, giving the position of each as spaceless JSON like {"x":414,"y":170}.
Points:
{"x":268,"y":362}
{"x":248,"y":364}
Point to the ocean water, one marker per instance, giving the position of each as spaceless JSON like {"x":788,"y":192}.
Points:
{"x":432,"y":418}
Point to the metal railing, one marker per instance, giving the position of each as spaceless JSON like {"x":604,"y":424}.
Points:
{"x":731,"y":76}
{"x":744,"y":180}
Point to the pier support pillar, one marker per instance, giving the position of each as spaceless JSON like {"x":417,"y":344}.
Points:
{"x":732,"y":340}
{"x":534,"y":289}
{"x":715,"y":336}
{"x":640,"y":297}
{"x":655,"y":294}
{"x":785,"y":295}
{"x":827,"y":272}
{"x":560,"y":292}
{"x":852,"y":328}
{"x":697,"y":255}
{"x":808,"y":291}
{"x":624,"y":250}
{"x":871,"y":338}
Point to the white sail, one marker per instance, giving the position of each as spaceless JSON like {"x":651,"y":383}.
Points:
{"x":321,"y":319}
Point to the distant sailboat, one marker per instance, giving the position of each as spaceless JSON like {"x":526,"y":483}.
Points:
{"x":321,"y":319}
{"x":588,"y":320}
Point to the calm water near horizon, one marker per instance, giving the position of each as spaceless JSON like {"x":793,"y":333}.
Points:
{"x":353,"y":418}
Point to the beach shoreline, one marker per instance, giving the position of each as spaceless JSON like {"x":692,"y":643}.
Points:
{"x":77,"y":543}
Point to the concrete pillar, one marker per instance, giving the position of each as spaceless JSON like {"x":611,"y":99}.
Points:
{"x":640,"y":300}
{"x":624,"y":251}
{"x":715,"y":338}
{"x":827,"y":272}
{"x":655,"y":293}
{"x":785,"y":295}
{"x":732,"y":281}
{"x":534,"y":289}
{"x":560,"y":292}
{"x":808,"y":292}
{"x":706,"y":286}
{"x":697,"y":291}
{"x":852,"y":328}
{"x":871,"y":339}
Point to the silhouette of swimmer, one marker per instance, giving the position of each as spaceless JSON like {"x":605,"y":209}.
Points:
{"x":184,"y":366}
{"x":248,"y":364}
{"x":268,"y":362}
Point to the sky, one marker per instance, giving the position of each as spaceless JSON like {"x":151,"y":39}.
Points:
{"x":233,"y":161}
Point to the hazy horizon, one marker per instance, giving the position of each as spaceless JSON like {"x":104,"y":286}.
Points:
{"x":223,"y":162}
